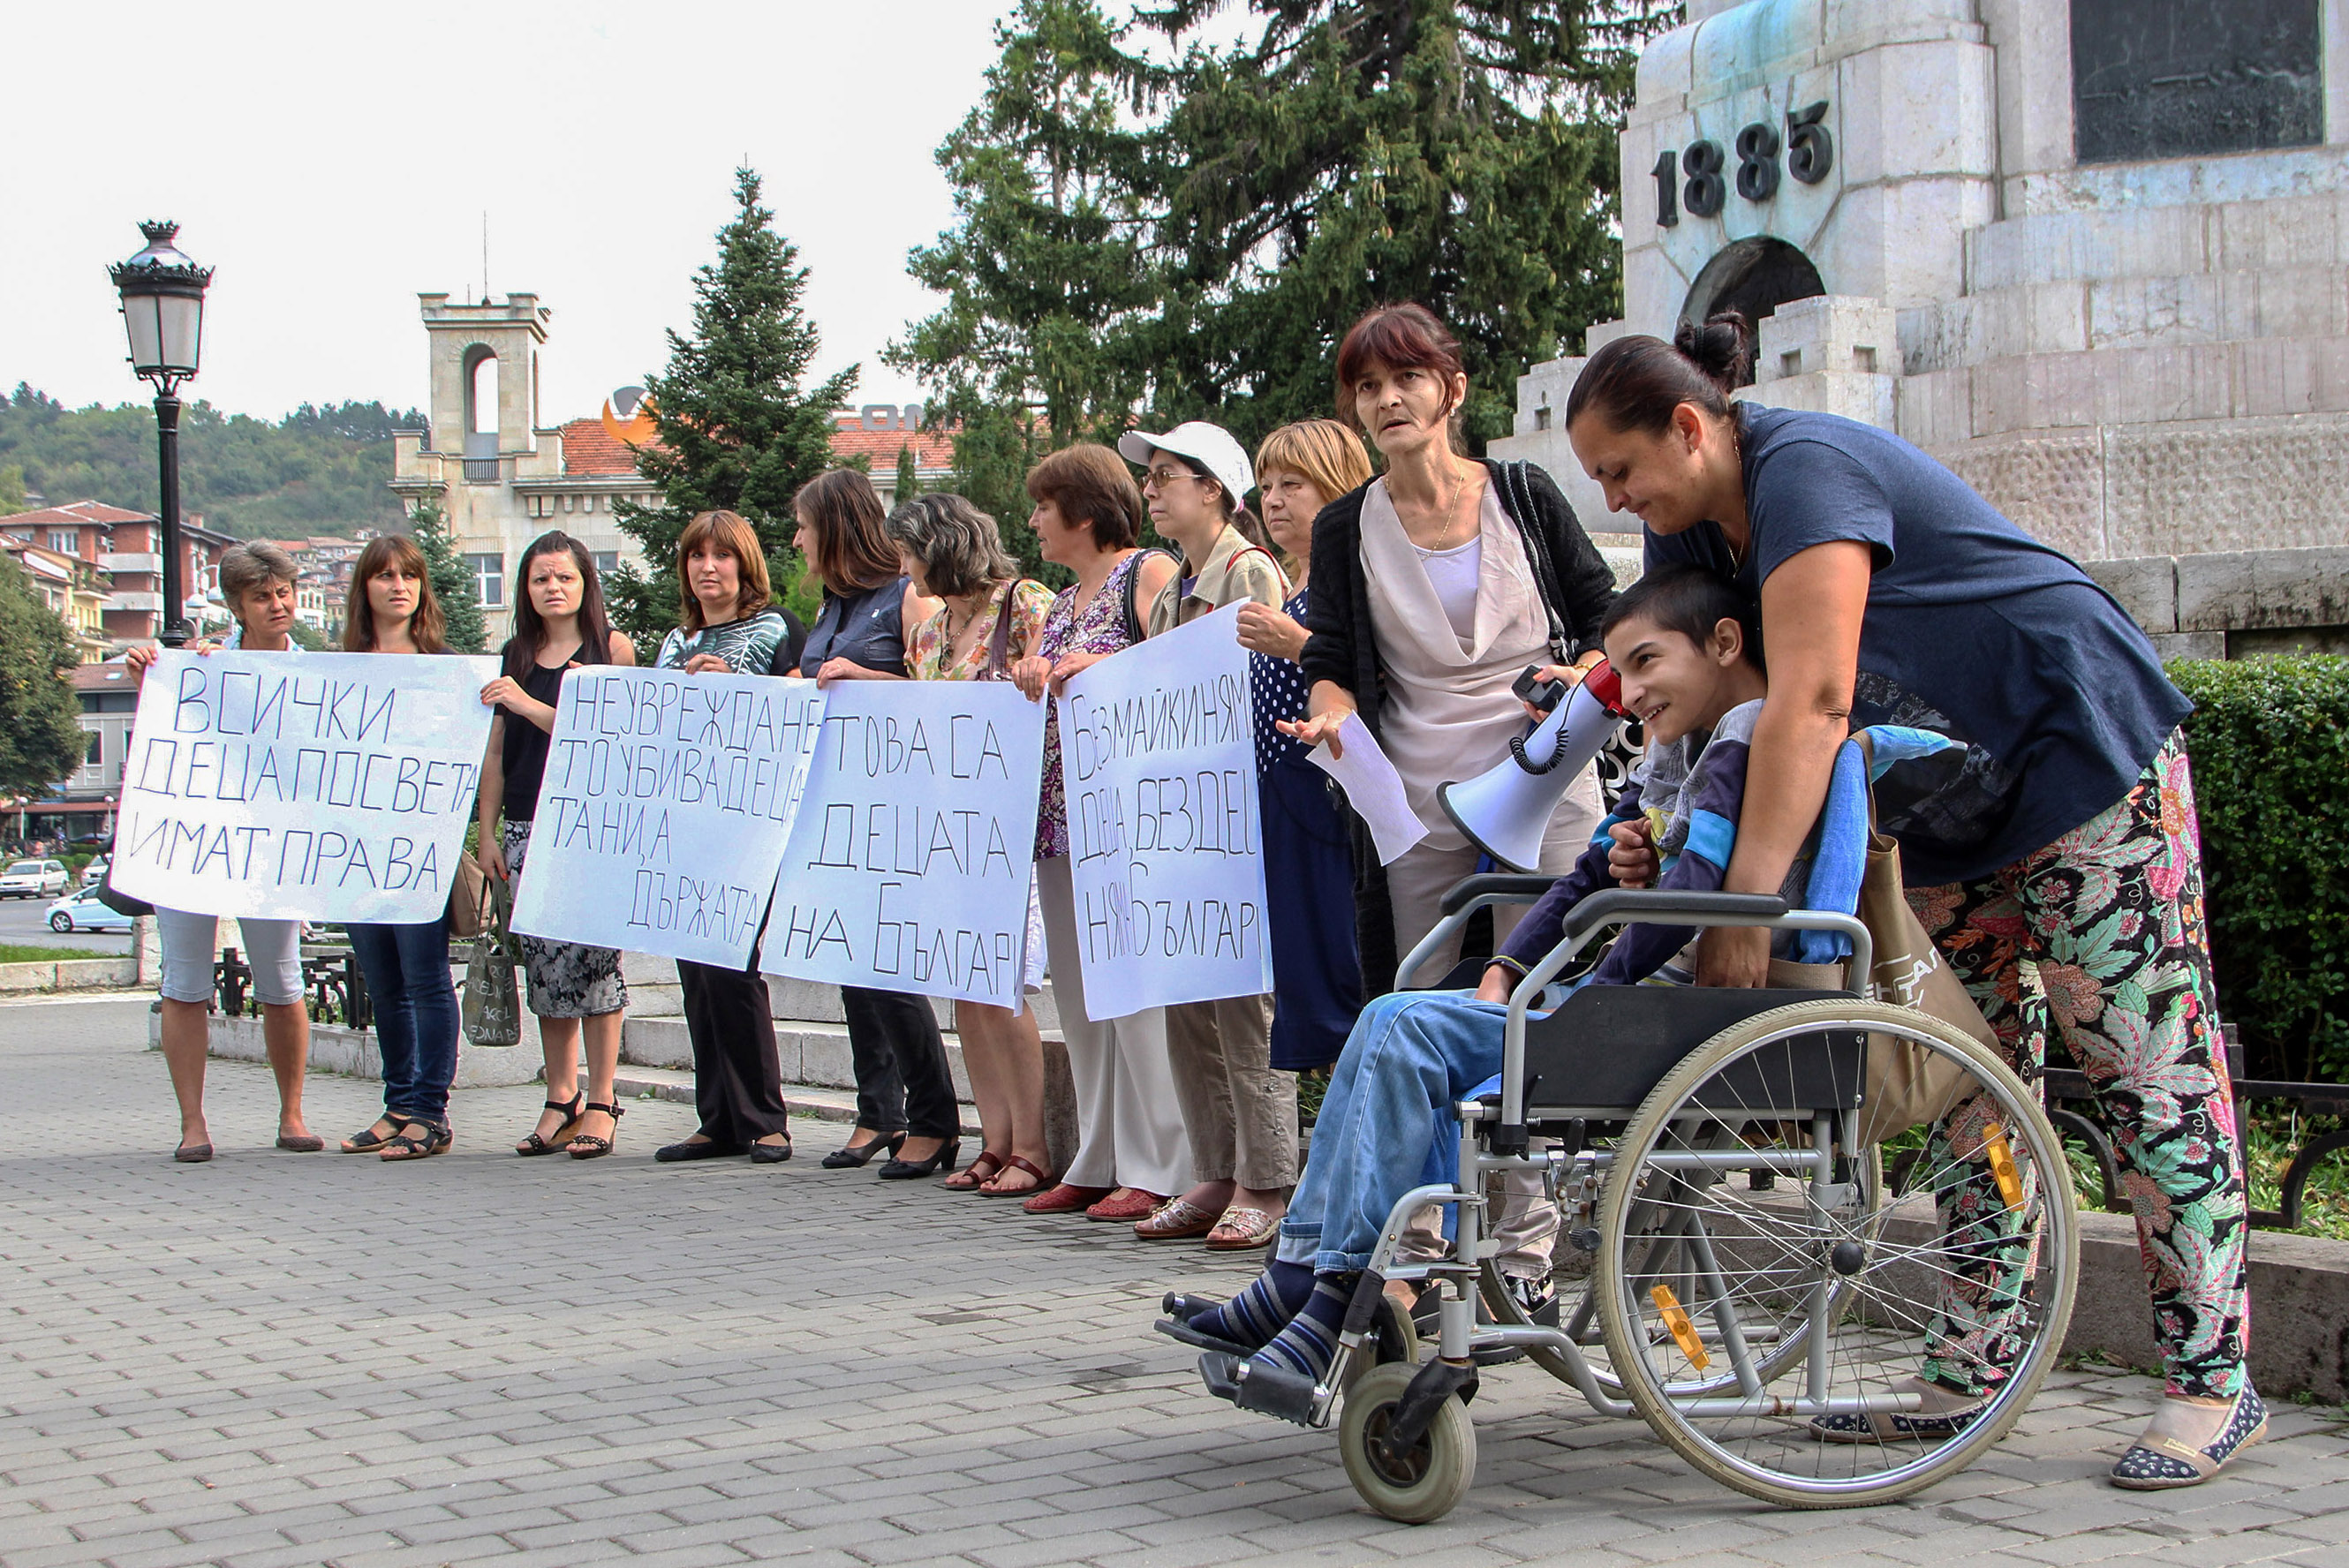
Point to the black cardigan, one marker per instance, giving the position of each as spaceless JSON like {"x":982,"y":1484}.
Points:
{"x":1577,"y":587}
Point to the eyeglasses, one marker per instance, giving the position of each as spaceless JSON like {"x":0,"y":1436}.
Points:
{"x":1161,"y":478}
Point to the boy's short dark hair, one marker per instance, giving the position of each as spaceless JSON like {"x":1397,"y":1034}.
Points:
{"x":1690,"y":600}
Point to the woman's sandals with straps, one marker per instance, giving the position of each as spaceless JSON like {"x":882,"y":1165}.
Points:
{"x":539,"y":1143}
{"x":1242,"y":1230}
{"x":1043,"y":1179}
{"x":2161,"y":1458}
{"x":418,"y":1139}
{"x":1944,"y":1414}
{"x":1177,"y":1220}
{"x":984,"y":1168}
{"x":587,"y":1145}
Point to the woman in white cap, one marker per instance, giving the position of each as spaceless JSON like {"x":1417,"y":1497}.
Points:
{"x":1240,"y":1113}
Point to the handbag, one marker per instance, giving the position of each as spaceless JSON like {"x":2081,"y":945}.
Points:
{"x":115,"y":899}
{"x":465,"y":900}
{"x":998,"y":642}
{"x":493,"y":1003}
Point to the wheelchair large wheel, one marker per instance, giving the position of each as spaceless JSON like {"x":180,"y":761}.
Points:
{"x":1427,"y":1481}
{"x":1770,"y":1316}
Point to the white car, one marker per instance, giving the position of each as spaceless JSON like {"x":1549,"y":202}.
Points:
{"x":82,"y":912}
{"x":94,"y":872}
{"x":33,"y":879}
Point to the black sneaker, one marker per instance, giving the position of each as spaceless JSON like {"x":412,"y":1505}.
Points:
{"x":1536,"y":1298}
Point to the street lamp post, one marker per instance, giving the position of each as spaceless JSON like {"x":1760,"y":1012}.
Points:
{"x":163,"y":315}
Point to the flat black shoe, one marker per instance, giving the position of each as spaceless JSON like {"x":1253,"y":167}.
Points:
{"x":857,"y":1154}
{"x":771,"y":1153}
{"x":949,"y":1154}
{"x":708,"y":1149}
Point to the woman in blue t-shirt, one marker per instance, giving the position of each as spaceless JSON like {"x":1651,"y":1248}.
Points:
{"x":2062,"y":835}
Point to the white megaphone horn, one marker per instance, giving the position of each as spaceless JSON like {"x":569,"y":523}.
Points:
{"x":1506,"y":810}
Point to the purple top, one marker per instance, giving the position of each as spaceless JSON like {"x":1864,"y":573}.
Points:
{"x":1099,"y":629}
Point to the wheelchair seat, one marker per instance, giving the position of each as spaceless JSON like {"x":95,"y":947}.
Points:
{"x":1606,"y":1048}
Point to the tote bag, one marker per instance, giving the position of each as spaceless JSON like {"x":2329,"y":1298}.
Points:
{"x":493,"y":1003}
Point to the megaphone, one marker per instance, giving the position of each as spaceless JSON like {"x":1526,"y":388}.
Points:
{"x":1506,"y":810}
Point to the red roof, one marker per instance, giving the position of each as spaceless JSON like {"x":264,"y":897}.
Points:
{"x":112,"y":675}
{"x":933,"y":451}
{"x":78,"y":512}
{"x":589,"y":450}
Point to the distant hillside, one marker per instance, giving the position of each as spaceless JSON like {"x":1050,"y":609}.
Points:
{"x":317,"y":471}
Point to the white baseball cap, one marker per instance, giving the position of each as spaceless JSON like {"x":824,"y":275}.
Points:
{"x":1211,"y":446}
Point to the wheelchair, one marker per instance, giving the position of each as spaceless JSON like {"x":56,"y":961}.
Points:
{"x":1772,"y":1261}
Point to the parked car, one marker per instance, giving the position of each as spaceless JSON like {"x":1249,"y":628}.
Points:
{"x":95,"y":872}
{"x":82,"y":912}
{"x":34,"y":878}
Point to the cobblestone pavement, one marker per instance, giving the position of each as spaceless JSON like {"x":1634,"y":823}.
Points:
{"x":283,"y":1359}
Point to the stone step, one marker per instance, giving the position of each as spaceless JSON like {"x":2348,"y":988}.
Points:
{"x":2158,"y":242}
{"x":2073,"y":316}
{"x":804,"y":1101}
{"x":653,"y":992}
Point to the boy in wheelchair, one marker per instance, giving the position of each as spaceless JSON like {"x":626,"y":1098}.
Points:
{"x":1683,"y":642}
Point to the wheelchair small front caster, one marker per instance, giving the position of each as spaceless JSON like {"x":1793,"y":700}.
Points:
{"x":1428,"y":1478}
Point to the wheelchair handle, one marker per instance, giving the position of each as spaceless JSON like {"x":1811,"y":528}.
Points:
{"x":1624,"y":905}
{"x":1503,"y":886}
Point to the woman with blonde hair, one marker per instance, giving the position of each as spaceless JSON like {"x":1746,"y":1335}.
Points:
{"x":574,"y":989}
{"x":905,"y":1094}
{"x":257,"y":581}
{"x":726,"y":625}
{"x":391,"y":610}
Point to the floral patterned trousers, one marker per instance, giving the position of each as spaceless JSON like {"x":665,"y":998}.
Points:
{"x":2110,"y":917}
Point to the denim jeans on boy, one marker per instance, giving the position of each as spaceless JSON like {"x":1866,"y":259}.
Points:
{"x":1386,"y":1123}
{"x":406,"y":969}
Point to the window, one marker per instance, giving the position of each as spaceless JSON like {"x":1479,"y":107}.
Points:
{"x":607,"y":562}
{"x":488,"y":580}
{"x":97,"y":753}
{"x":65,"y":542}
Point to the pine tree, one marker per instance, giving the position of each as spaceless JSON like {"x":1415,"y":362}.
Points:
{"x":41,"y":740}
{"x":736,"y":428}
{"x":452,"y":580}
{"x":1457,"y":152}
{"x":909,"y":482}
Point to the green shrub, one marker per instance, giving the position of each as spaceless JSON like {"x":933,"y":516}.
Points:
{"x":2270,"y":743}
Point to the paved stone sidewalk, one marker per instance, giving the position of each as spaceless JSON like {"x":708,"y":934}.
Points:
{"x":276,"y":1360}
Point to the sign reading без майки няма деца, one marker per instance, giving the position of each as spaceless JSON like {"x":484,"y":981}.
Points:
{"x":301,"y":785}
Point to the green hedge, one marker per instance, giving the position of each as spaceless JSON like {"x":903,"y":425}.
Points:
{"x":2270,"y":743}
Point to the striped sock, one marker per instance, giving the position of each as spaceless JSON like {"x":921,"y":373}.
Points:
{"x":1252,"y":1317}
{"x":1309,"y":1344}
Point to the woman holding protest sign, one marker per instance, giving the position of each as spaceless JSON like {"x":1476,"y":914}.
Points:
{"x":391,"y":610}
{"x":991,"y":618}
{"x":726,"y":626}
{"x":574,"y":989}
{"x":1130,"y":1150}
{"x":1239,"y":1112}
{"x":1308,"y":872}
{"x":257,"y":581}
{"x":905,"y":1095}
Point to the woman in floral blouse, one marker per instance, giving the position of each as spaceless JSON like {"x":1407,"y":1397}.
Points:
{"x":991,"y":618}
{"x":1131,"y":1147}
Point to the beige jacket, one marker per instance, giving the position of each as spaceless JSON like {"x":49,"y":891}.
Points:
{"x":1234,"y":570}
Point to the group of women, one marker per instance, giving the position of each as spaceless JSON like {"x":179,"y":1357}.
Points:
{"x":1410,"y":601}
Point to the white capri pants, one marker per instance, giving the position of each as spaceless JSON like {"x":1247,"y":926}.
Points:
{"x":274,"y":948}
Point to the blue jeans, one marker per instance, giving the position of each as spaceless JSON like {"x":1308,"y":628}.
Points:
{"x":1386,"y":1123}
{"x":406,"y":969}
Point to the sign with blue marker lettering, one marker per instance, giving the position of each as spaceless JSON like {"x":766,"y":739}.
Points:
{"x":909,"y":865}
{"x":301,"y":785}
{"x":1158,"y":757}
{"x":667,"y":801}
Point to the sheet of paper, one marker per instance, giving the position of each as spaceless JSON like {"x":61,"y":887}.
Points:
{"x":667,"y":801}
{"x":302,"y":786}
{"x":1159,"y":760}
{"x":1374,"y":788}
{"x":908,"y":865}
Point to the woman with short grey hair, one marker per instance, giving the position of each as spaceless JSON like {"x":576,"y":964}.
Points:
{"x":257,"y":583}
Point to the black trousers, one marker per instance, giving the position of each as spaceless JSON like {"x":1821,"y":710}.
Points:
{"x":902,"y":1082}
{"x":738,"y":1081}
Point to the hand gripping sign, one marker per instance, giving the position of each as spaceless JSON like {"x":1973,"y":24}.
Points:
{"x":329,"y":787}
{"x":667,"y":801}
{"x":909,"y":864}
{"x":1158,"y":757}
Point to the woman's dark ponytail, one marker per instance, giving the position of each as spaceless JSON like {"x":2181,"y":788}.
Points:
{"x":1635,"y":383}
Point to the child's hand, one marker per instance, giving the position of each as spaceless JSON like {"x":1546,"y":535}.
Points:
{"x":1632,"y":862}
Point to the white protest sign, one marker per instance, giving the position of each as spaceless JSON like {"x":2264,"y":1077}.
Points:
{"x":1159,"y":762}
{"x":909,"y":864}
{"x":301,"y":785}
{"x":667,"y":801}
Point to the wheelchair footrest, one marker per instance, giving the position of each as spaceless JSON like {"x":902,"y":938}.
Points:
{"x":1267,"y":1390}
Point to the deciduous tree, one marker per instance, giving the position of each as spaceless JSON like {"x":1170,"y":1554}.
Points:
{"x":40,"y":725}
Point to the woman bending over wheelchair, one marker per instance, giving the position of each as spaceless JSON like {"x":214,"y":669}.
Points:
{"x":1680,"y":641}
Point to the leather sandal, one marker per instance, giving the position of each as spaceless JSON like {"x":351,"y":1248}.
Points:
{"x":1014,"y":1162}
{"x":571,"y":1110}
{"x":367,"y":1141}
{"x":418,"y":1139}
{"x":587,"y":1145}
{"x":970,"y":1176}
{"x":1176,"y":1219}
{"x":1242,"y":1230}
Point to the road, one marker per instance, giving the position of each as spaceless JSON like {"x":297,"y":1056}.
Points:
{"x":282,"y":1361}
{"x":26,"y":920}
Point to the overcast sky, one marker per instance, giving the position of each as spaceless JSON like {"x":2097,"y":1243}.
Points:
{"x":333,"y":161}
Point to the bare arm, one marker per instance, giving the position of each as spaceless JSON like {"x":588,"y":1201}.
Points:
{"x":624,"y":652}
{"x":1812,"y":606}
{"x":487,"y":850}
{"x":1154,"y":574}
